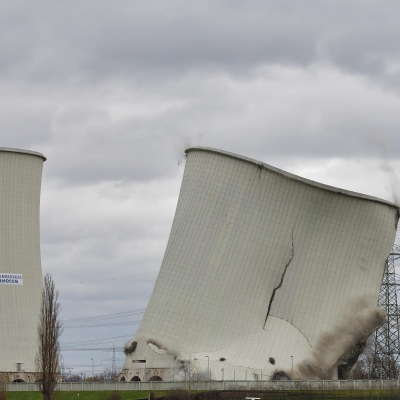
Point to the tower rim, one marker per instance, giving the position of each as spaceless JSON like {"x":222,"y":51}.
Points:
{"x":294,"y":176}
{"x":22,"y":151}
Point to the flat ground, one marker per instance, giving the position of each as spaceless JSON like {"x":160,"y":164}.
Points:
{"x":96,"y":395}
{"x":227,"y":395}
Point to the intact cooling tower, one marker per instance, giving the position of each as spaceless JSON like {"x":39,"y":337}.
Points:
{"x":20,"y":266}
{"x":262,"y":269}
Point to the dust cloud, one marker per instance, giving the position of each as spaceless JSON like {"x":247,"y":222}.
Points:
{"x":337,"y":351}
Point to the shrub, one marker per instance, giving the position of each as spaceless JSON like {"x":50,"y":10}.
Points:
{"x":114,"y":396}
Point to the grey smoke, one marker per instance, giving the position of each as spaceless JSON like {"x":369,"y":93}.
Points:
{"x":387,"y":168}
{"x":183,"y":142}
{"x":394,"y":183}
{"x":341,"y":346}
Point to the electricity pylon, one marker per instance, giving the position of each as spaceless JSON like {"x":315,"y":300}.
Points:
{"x":387,"y":336}
{"x":113,"y":360}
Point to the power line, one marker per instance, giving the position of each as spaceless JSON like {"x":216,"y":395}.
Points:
{"x":94,"y":341}
{"x":113,"y":360}
{"x":92,"y":349}
{"x":124,"y":323}
{"x":106,"y":316}
{"x":107,"y":279}
{"x":86,"y":366}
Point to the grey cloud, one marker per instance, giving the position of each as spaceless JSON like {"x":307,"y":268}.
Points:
{"x":232,"y":38}
{"x":90,"y":147}
{"x":24,"y":116}
{"x":112,"y":94}
{"x":311,"y":112}
{"x":127,"y":37}
{"x":152,"y":39}
{"x":314,"y":114}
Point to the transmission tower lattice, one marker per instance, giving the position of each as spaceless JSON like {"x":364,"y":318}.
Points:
{"x":387,"y":336}
{"x":113,"y":360}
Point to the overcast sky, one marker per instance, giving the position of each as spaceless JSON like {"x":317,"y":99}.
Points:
{"x":112,"y":92}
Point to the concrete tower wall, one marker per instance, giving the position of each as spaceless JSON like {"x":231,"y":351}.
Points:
{"x":259,"y":264}
{"x":20,"y":182}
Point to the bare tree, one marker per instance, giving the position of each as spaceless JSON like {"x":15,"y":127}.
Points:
{"x":193,"y":373}
{"x":49,"y":332}
{"x":374,"y":365}
{"x":106,"y":376}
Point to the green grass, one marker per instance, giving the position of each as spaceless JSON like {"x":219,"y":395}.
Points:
{"x":143,"y":394}
{"x":95,"y":395}
{"x":318,"y":394}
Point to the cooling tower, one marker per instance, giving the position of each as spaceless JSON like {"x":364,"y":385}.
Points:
{"x":260,"y":268}
{"x":20,"y":266}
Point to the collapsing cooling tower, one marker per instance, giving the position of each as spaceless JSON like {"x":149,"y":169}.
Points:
{"x":262,"y":266}
{"x":20,"y":266}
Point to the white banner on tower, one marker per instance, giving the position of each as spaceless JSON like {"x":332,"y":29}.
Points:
{"x":10,"y":279}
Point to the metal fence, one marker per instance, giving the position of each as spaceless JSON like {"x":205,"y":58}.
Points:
{"x":215,"y":385}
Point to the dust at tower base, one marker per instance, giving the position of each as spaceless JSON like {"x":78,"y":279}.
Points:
{"x":20,"y":264}
{"x":260,"y":268}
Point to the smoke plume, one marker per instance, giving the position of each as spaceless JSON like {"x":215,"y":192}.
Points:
{"x":182,"y":142}
{"x":337,"y":351}
{"x":394,"y":183}
{"x":387,"y":168}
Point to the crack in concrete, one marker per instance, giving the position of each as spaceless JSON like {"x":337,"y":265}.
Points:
{"x":281,"y":282}
{"x":294,"y":326}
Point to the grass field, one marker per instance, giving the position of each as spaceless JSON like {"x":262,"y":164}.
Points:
{"x":96,"y":395}
{"x":143,"y":394}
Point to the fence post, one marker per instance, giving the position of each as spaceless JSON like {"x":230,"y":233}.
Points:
{"x":354,"y":384}
{"x":338,"y":384}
